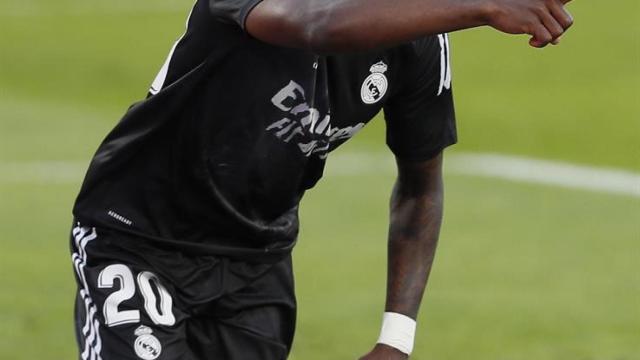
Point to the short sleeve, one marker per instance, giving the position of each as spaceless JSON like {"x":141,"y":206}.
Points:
{"x":420,"y":117}
{"x":233,"y":11}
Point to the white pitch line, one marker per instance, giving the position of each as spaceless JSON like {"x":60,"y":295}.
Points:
{"x":536,"y":171}
{"x":504,"y":167}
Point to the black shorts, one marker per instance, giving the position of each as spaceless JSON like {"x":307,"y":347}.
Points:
{"x":136,"y":301}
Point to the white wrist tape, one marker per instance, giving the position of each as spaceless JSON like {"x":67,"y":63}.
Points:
{"x":398,"y":331}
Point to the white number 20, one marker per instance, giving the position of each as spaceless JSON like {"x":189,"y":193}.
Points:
{"x":113,"y":316}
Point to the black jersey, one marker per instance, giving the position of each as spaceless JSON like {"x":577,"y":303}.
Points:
{"x":218,"y":156}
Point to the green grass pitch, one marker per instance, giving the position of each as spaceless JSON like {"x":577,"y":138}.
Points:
{"x":523,"y":272}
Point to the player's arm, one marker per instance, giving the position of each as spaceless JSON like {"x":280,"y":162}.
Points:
{"x":416,"y":215}
{"x":350,"y":25}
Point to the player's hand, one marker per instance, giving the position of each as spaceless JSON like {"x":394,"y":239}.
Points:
{"x":544,"y":20}
{"x":384,"y":352}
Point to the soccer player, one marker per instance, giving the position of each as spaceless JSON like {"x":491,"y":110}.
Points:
{"x":189,"y":210}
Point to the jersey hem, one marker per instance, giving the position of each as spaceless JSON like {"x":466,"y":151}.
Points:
{"x":250,"y":255}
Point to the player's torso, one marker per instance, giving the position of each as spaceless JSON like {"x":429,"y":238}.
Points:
{"x":305,"y":101}
{"x":247,"y":129}
{"x":268,"y":116}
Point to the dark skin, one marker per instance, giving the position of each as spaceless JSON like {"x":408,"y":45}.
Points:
{"x":327,"y":26}
{"x":334,"y":26}
{"x":416,"y":215}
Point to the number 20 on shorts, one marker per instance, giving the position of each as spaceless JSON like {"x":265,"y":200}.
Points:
{"x":113,"y":316}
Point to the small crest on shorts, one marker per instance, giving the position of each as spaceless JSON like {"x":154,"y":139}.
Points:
{"x":379,"y":67}
{"x":143,"y":330}
{"x":146,"y":345}
{"x":375,"y":85}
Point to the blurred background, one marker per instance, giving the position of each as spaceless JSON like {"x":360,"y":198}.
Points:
{"x":540,"y":251}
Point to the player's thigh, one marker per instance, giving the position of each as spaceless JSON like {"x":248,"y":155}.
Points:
{"x":258,"y":321}
{"x":124,"y":310}
{"x":262,"y":333}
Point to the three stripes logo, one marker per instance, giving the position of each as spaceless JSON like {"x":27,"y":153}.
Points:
{"x":91,"y":329}
{"x":445,"y":64}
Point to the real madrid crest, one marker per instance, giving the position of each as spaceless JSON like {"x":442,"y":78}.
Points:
{"x":375,"y":85}
{"x":146,"y":345}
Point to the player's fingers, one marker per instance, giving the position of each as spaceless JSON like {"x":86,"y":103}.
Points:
{"x":541,"y":36}
{"x":561,"y":15}
{"x":555,"y":29}
{"x":565,"y":1}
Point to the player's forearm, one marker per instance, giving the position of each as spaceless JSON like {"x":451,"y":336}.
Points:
{"x":416,"y":216}
{"x":349,"y":25}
